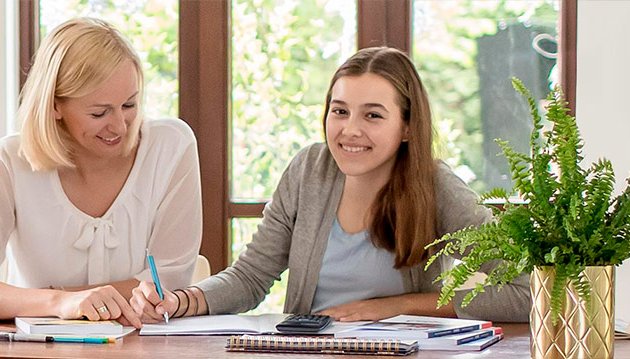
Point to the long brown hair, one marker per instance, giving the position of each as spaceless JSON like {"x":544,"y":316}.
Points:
{"x":403,"y":213}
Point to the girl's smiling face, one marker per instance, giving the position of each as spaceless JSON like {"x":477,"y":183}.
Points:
{"x":364,"y":125}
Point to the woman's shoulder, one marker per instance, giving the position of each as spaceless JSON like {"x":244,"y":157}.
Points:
{"x":168,"y":130}
{"x":10,"y":143}
{"x":10,"y":148}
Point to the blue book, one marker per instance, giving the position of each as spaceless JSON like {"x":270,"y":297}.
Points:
{"x":475,"y":340}
{"x":475,"y":345}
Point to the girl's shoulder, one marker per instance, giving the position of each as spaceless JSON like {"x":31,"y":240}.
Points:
{"x":314,"y":160}
{"x":446,"y":179}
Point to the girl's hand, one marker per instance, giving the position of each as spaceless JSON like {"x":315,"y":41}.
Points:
{"x":387,"y":307}
{"x":369,"y":309}
{"x":100,"y":303}
{"x":147,"y":304}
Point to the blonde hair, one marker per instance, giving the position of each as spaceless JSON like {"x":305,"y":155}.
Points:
{"x":72,"y":61}
{"x":404,"y":211}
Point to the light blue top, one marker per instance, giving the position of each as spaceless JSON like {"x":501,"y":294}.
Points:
{"x":354,"y":269}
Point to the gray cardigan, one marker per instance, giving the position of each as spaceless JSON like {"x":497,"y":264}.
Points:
{"x":294,"y":234}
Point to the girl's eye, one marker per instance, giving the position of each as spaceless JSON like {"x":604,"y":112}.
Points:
{"x":373,"y":115}
{"x":339,"y":111}
{"x":129,"y":105}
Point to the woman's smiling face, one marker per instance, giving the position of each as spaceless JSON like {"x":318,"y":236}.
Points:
{"x":98,"y":122}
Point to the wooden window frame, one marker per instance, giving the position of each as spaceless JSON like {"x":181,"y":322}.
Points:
{"x":204,"y":87}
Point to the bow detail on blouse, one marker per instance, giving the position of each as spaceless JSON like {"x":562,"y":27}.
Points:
{"x":96,"y":236}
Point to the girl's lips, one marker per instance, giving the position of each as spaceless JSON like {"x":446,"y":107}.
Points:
{"x":354,"y":148}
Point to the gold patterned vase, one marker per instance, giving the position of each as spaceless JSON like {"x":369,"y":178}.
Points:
{"x":584,"y":330}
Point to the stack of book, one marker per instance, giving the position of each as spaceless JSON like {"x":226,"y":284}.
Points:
{"x":32,"y":325}
{"x":398,"y":335}
{"x":69,"y":329}
{"x":431,"y":333}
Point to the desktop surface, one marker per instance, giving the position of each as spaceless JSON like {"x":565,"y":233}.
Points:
{"x":515,"y":345}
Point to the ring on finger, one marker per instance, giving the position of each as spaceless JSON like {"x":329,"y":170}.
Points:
{"x":102,"y":309}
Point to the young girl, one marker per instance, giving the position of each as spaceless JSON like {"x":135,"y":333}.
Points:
{"x":350,"y":218}
{"x":88,"y":186}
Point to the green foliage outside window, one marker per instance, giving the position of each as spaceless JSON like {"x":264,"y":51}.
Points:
{"x":445,"y":53}
{"x":283,"y":56}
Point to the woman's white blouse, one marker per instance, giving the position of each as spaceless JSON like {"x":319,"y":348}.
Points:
{"x":48,"y":241}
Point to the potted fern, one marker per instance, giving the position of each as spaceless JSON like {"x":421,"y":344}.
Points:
{"x":569,"y":235}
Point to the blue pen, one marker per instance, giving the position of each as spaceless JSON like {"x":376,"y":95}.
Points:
{"x":156,"y":280}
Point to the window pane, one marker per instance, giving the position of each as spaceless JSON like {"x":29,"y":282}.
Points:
{"x":152,"y":28}
{"x":467,"y":52}
{"x":284,"y":53}
{"x":242,"y":230}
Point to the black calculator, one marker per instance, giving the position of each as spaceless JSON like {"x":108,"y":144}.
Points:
{"x":303,"y":323}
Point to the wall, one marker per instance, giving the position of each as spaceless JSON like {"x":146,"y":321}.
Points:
{"x":8,"y":65}
{"x":603,"y":78}
{"x":3,"y":75}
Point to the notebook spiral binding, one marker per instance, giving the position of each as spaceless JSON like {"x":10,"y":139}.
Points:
{"x":269,"y":343}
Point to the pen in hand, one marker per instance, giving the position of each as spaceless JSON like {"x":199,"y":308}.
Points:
{"x":156,"y":280}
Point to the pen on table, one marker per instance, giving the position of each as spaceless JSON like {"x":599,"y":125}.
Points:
{"x":90,"y":340}
{"x":156,"y":280}
{"x":18,"y":337}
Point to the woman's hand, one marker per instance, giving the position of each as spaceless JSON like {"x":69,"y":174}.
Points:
{"x":100,"y":303}
{"x":369,"y":309}
{"x":147,"y":304}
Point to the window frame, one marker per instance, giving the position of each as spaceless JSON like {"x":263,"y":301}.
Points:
{"x":204,"y":87}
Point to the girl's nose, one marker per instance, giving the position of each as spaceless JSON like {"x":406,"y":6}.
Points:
{"x":352,"y":127}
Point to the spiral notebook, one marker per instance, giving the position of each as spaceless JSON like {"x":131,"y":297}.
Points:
{"x":319,"y":345}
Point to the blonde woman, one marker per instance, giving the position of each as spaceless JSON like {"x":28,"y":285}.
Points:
{"x":88,"y":185}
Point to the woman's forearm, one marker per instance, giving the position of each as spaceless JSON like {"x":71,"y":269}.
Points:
{"x":15,"y":302}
